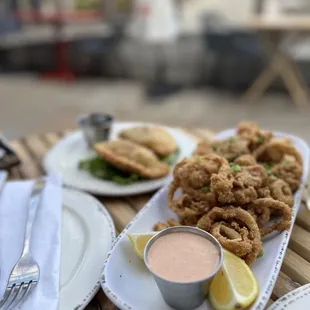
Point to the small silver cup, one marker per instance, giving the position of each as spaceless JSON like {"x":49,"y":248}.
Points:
{"x":184,"y":295}
{"x":96,"y":127}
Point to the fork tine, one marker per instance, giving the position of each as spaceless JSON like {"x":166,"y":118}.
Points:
{"x":20,"y":295}
{"x":29,"y":288}
{"x":12,"y":296}
{"x":17,"y":289}
{"x":5,"y":296}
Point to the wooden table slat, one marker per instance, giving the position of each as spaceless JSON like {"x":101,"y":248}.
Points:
{"x":14,"y":174}
{"x":303,"y":218}
{"x":37,"y":147}
{"x":121,"y":211}
{"x":295,"y":267}
{"x":284,"y":285}
{"x":138,"y":202}
{"x":104,"y":302}
{"x":28,"y":167}
{"x":300,"y":242}
{"x":51,"y":138}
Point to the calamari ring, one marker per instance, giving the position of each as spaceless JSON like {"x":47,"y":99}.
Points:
{"x":245,"y":160}
{"x":243,"y":218}
{"x":261,"y":215}
{"x":193,"y":174}
{"x":275,"y":150}
{"x":232,"y":238}
{"x":280,"y":190}
{"x":278,"y":206}
{"x":253,"y":134}
{"x":188,"y":208}
{"x":236,"y":187}
{"x":169,"y":223}
{"x":289,"y":171}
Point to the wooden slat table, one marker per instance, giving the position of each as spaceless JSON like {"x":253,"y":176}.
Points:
{"x":296,"y":266}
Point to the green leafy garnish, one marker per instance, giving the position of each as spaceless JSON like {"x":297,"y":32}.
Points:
{"x":268,"y":167}
{"x":235,"y":167}
{"x":99,"y":168}
{"x":205,"y":189}
{"x":171,"y":158}
{"x":261,"y":253}
{"x":260,"y":140}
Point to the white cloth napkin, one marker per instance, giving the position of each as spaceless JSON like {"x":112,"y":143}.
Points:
{"x":45,"y":242}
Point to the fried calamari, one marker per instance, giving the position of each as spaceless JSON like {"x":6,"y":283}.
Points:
{"x":230,"y":148}
{"x":245,"y":160}
{"x":190,"y":209}
{"x":280,"y":190}
{"x":169,"y":223}
{"x":238,"y":185}
{"x":289,"y":170}
{"x":251,"y":133}
{"x":155,"y":138}
{"x":131,"y":157}
{"x":192,"y":175}
{"x":260,"y":215}
{"x":275,"y":151}
{"x":245,"y":242}
{"x":280,"y":207}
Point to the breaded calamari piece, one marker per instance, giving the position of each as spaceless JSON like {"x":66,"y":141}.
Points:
{"x":251,"y":133}
{"x":245,"y":243}
{"x":245,"y":160}
{"x":280,"y":190}
{"x":169,"y":223}
{"x":288,"y":170}
{"x":274,"y":205}
{"x":238,"y":185}
{"x":190,"y":209}
{"x":229,"y":148}
{"x":276,"y":150}
{"x":131,"y":157}
{"x":193,"y":174}
{"x":155,"y":138}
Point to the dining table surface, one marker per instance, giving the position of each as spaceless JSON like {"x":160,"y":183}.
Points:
{"x":295,"y":270}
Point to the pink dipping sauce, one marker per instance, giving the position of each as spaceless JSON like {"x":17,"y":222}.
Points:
{"x":183,"y":257}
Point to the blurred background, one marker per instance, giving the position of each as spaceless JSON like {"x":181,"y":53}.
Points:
{"x":183,"y":63}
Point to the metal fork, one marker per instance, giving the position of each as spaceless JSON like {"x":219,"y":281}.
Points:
{"x":26,"y":273}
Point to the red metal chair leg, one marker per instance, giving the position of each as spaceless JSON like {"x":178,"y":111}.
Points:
{"x":62,"y":71}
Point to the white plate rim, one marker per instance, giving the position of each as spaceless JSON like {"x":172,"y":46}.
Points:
{"x":143,"y":187}
{"x":83,"y":301}
{"x":291,"y":297}
{"x":285,"y":235}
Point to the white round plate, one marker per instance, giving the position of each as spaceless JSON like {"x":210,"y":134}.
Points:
{"x":87,"y":235}
{"x":298,"y":299}
{"x":65,"y":156}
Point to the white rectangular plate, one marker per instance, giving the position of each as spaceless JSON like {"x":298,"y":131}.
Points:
{"x":129,"y":285}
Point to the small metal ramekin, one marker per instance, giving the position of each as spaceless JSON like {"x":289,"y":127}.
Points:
{"x":184,"y":295}
{"x":96,"y":127}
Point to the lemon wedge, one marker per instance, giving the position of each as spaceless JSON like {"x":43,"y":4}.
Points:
{"x":234,"y":286}
{"x":139,"y":241}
